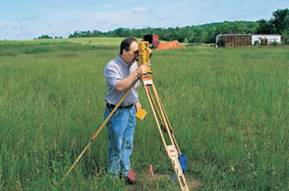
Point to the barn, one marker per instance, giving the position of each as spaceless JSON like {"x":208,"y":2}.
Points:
{"x":237,"y":40}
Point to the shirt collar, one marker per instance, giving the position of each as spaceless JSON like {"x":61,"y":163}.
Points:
{"x":123,"y":62}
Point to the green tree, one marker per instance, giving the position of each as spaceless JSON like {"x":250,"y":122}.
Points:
{"x":281,"y":20}
{"x":265,"y":27}
{"x":45,"y":36}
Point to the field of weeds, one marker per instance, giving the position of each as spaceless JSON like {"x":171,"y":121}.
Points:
{"x":229,"y":109}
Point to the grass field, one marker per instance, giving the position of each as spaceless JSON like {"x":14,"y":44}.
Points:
{"x":229,"y":109}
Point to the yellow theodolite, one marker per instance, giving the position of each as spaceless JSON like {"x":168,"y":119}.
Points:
{"x":145,"y":55}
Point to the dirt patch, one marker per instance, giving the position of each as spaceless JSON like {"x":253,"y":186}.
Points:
{"x":162,"y":182}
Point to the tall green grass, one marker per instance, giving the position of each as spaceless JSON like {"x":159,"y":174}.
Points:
{"x":229,"y":109}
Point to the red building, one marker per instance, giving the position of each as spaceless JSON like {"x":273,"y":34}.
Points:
{"x":153,"y":39}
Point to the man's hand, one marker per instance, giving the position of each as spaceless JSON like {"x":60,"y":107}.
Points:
{"x":140,"y":112}
{"x":144,"y":69}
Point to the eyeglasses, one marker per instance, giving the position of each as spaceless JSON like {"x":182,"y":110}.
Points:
{"x":136,"y":52}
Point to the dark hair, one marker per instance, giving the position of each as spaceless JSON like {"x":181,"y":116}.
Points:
{"x":125,"y":44}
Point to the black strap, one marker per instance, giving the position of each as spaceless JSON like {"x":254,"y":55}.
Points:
{"x":111,"y":106}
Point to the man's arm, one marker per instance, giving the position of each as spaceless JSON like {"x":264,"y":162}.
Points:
{"x":138,"y":106}
{"x":124,"y":84}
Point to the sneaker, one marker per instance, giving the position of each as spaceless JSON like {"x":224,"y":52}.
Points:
{"x":131,"y":177}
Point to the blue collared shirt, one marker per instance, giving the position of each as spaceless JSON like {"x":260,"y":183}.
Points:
{"x":117,"y":70}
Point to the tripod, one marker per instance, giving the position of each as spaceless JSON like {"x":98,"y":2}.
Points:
{"x":164,"y":127}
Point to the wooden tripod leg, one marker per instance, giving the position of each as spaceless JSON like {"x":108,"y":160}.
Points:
{"x":171,"y":150}
{"x":156,"y":109}
{"x":166,"y":118}
{"x":170,"y":126}
{"x":155,"y":115}
{"x":162,"y":114}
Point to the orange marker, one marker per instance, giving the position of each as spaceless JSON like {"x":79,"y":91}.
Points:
{"x":141,"y":113}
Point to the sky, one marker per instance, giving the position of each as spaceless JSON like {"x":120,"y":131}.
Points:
{"x":27,"y":19}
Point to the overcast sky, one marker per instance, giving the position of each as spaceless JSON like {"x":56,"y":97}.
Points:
{"x":26,"y":19}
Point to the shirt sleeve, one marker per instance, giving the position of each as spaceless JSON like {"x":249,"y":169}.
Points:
{"x":111,"y":74}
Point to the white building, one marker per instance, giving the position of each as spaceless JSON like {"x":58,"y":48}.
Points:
{"x":265,"y":38}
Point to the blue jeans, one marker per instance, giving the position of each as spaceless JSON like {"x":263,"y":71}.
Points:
{"x":121,"y":128}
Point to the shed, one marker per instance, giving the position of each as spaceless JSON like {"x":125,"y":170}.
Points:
{"x":153,"y":39}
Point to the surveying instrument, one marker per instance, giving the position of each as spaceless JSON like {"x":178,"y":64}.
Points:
{"x":164,"y":127}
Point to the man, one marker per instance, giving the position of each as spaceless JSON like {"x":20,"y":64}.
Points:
{"x":120,"y":74}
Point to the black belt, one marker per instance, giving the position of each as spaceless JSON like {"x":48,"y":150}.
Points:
{"x":111,"y":106}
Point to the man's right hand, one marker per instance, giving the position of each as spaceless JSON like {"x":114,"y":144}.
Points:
{"x":144,"y":69}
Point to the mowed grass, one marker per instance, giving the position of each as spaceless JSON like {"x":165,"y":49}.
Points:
{"x":229,"y":109}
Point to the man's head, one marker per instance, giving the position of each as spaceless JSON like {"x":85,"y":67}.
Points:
{"x":129,"y":50}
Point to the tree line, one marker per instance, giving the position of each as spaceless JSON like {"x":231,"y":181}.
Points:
{"x":193,"y":34}
{"x":278,"y":24}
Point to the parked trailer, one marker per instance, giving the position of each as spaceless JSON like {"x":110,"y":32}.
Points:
{"x":237,"y":40}
{"x":233,"y":40}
